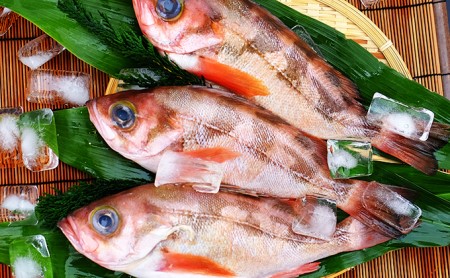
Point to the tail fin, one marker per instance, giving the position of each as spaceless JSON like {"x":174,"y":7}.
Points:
{"x":418,"y":154}
{"x":380,"y":208}
{"x":360,"y":236}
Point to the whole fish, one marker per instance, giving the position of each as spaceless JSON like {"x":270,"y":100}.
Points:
{"x":175,"y":231}
{"x":241,"y":46}
{"x":211,"y":139}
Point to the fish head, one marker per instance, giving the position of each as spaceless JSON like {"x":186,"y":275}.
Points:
{"x":133,"y":124}
{"x":179,"y":26}
{"x":117,"y":232}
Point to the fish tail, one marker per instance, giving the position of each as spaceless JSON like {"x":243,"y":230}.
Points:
{"x":418,"y":154}
{"x":379,"y":207}
{"x":360,"y":236}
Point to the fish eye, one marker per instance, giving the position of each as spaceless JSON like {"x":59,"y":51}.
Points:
{"x":105,"y":220}
{"x":123,"y":114}
{"x":169,"y":9}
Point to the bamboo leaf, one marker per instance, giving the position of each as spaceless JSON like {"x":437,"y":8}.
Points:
{"x":78,"y":40}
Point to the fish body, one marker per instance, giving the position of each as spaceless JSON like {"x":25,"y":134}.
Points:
{"x":174,"y":231}
{"x":210,"y":138}
{"x":241,"y":46}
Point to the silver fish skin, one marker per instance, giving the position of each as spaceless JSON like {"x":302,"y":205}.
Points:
{"x":213,"y":139}
{"x":174,"y":231}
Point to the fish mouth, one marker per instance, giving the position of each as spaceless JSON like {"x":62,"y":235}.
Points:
{"x":80,"y":240}
{"x":106,"y":132}
{"x":68,"y":228}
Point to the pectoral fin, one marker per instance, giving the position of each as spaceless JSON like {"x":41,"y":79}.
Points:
{"x":231,"y":78}
{"x":193,"y":264}
{"x":202,"y":168}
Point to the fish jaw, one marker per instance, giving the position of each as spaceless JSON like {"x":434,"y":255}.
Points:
{"x":81,"y":242}
{"x":195,"y":29}
{"x":105,"y":131}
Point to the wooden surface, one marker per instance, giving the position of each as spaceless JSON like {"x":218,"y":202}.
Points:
{"x":410,"y":25}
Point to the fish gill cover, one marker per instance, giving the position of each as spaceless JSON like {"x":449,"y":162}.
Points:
{"x":116,"y":19}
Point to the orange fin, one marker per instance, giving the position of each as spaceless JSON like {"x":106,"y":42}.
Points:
{"x":233,"y":79}
{"x":201,"y":168}
{"x":188,"y":263}
{"x":306,"y":268}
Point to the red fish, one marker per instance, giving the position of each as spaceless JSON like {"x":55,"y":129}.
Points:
{"x":241,"y":46}
{"x":211,"y":139}
{"x":173,"y":231}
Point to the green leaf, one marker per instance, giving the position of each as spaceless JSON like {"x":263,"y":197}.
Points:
{"x":66,"y":261}
{"x":79,"y":41}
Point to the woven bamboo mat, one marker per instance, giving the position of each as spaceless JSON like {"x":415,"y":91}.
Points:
{"x":419,"y":51}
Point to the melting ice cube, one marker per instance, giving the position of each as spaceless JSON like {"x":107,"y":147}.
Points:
{"x":26,"y":267}
{"x":10,"y":156}
{"x":391,"y":207}
{"x":30,"y":257}
{"x":347,"y":159}
{"x":58,"y":87}
{"x":413,"y":123}
{"x":7,"y":18}
{"x":369,"y":3}
{"x":36,"y":155}
{"x":17,"y":202}
{"x":39,"y":51}
{"x":317,"y":219}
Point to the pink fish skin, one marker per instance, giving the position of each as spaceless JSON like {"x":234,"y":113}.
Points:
{"x":212,"y":139}
{"x":174,"y":231}
{"x":241,"y":46}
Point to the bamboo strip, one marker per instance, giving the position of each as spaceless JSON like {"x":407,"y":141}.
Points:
{"x":412,"y":26}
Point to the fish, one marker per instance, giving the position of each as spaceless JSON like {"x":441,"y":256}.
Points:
{"x":241,"y":46}
{"x":214,"y":140}
{"x":174,"y":231}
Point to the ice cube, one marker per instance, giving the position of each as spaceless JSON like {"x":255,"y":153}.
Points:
{"x":35,"y":154}
{"x":58,"y":87}
{"x":348,"y":159}
{"x":10,"y":154}
{"x":369,"y":3}
{"x":317,"y":219}
{"x":39,"y":51}
{"x":7,"y":19}
{"x":26,"y":267}
{"x":386,"y":204}
{"x":17,"y":202}
{"x":30,"y":257}
{"x":410,"y":122}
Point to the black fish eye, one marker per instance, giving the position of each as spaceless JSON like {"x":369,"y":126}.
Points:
{"x":105,"y":220}
{"x":123,"y":115}
{"x":169,"y":9}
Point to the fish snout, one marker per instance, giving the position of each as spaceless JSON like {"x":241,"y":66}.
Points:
{"x":81,"y":241}
{"x":98,"y":120}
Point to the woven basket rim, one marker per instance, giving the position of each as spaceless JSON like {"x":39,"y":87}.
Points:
{"x":377,"y":36}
